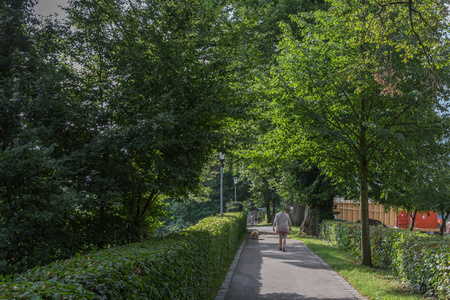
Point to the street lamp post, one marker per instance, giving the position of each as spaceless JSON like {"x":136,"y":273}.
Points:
{"x":235,"y":186}
{"x":222,"y":158}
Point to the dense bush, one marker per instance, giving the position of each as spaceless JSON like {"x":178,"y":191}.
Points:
{"x":76,"y":174}
{"x":178,"y":266}
{"x":420,"y":260}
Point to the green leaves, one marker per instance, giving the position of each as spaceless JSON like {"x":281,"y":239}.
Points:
{"x":356,"y":91}
{"x":104,"y":116}
{"x":420,"y":260}
{"x":182,"y":266}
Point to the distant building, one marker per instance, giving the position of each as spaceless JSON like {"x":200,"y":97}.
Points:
{"x":351,"y":211}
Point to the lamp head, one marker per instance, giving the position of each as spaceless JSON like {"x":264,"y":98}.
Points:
{"x":221,"y":156}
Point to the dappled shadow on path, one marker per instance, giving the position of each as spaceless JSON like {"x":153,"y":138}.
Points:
{"x":265,"y":272}
{"x":296,"y":254}
{"x":247,"y":276}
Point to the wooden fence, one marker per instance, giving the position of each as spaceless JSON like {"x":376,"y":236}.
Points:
{"x":351,"y":211}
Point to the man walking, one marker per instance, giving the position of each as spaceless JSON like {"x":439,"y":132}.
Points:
{"x":283,"y":224}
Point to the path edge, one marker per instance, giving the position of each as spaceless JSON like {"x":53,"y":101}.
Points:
{"x":338,"y":277}
{"x":222,"y":292}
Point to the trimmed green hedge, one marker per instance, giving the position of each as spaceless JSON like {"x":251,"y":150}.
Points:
{"x":422,"y":261}
{"x":179,"y":266}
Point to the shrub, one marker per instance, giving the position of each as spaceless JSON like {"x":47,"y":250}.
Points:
{"x":420,"y":260}
{"x":178,"y":266}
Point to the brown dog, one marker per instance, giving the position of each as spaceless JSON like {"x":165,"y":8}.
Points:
{"x":255,"y":234}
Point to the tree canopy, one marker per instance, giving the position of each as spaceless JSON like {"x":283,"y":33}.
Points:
{"x":106,"y":115}
{"x":363,"y":87}
{"x":114,"y":112}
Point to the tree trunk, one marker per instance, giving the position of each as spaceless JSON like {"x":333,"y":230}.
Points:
{"x":315,"y":221}
{"x":101,"y":224}
{"x":298,"y":214}
{"x":304,"y":228}
{"x":413,"y":219}
{"x":444,"y":221}
{"x":309,"y":225}
{"x":366,"y":256}
{"x":269,"y":215}
{"x":274,"y":207}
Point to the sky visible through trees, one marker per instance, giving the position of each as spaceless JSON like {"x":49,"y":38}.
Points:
{"x":47,"y":7}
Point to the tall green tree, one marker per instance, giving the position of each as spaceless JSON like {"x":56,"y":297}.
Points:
{"x":258,"y":21}
{"x":264,"y":192}
{"x":361,"y":89}
{"x":157,"y":73}
{"x":423,"y":189}
{"x":308,"y":186}
{"x":37,"y":200}
{"x":104,"y":118}
{"x":414,"y":186}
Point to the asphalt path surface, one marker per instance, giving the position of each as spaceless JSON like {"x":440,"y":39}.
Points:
{"x":262,"y":271}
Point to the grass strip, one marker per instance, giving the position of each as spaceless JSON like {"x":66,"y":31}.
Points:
{"x":372,"y":283}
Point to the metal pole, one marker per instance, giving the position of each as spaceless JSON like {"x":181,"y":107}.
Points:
{"x":221,"y":189}
{"x":235,"y":185}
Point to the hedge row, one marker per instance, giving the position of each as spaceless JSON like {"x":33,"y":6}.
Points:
{"x":421,"y":261}
{"x":179,"y":266}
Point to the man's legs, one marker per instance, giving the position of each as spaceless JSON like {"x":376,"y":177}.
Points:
{"x":280,"y":235}
{"x":283,"y":239}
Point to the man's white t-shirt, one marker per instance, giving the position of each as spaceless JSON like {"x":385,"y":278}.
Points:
{"x":283,"y":222}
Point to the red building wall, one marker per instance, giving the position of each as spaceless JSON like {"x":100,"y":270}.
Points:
{"x":423,"y":220}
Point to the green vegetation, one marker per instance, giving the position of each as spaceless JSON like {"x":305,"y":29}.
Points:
{"x":179,"y":266}
{"x":111,"y":119}
{"x":374,"y":283}
{"x":420,"y":260}
{"x":357,"y":92}
{"x":103,"y":118}
{"x":187,"y":211}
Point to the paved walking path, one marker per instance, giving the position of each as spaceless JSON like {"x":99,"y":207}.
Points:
{"x":261,"y":271}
